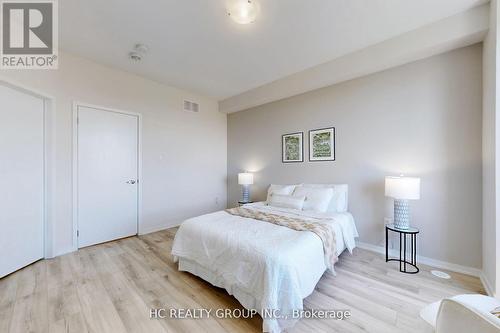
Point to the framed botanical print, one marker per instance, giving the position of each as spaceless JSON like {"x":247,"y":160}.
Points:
{"x":292,"y":146}
{"x":322,"y":144}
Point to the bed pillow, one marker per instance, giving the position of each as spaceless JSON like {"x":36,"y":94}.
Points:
{"x":340,"y":198}
{"x":287,"y":201}
{"x":317,"y":199}
{"x":279,"y":189}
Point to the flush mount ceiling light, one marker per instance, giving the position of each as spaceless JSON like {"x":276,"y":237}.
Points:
{"x":243,"y":11}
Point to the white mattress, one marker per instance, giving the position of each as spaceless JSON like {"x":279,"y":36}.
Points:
{"x":264,"y":266}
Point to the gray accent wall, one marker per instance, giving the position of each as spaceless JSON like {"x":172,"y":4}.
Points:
{"x":422,"y":119}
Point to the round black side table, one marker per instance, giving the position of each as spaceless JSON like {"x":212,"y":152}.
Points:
{"x":242,"y":203}
{"x":411,"y":261}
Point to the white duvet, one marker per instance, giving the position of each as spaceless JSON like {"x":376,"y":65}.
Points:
{"x":265,"y":266}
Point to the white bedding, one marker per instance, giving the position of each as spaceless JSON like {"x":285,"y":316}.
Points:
{"x":265,"y":266}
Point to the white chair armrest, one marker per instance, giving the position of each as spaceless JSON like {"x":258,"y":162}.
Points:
{"x":468,"y":313}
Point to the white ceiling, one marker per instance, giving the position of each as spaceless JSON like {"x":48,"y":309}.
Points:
{"x":195,"y":46}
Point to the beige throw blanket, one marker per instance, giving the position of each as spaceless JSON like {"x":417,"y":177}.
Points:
{"x":323,"y":230}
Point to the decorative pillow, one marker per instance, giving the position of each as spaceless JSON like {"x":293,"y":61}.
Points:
{"x":339,"y":202}
{"x":279,"y":189}
{"x":287,"y":201}
{"x":317,"y":199}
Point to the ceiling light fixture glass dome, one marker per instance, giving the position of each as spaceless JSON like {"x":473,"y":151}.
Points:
{"x":242,"y":11}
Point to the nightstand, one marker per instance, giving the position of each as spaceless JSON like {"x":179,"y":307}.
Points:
{"x":410,"y":233}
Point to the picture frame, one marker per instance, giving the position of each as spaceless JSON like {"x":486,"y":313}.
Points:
{"x":322,"y":144}
{"x":292,"y":147}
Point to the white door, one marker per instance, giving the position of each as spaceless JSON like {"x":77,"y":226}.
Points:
{"x":21,"y":179}
{"x":107,"y":157}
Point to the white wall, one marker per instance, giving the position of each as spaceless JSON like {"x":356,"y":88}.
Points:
{"x":491,"y":57}
{"x":422,"y":119}
{"x":184,"y":154}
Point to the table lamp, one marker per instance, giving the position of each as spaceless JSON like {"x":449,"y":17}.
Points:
{"x":402,"y":189}
{"x":245,"y":179}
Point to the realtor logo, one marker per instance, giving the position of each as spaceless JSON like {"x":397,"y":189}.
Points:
{"x":29,"y":34}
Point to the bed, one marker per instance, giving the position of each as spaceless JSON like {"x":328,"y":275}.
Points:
{"x":263,"y":265}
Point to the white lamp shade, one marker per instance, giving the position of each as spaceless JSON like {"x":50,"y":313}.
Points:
{"x":245,"y":178}
{"x":405,"y":188}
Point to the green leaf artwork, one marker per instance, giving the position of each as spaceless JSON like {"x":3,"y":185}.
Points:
{"x":292,"y":148}
{"x":322,"y":145}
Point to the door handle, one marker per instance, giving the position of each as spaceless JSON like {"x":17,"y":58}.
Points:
{"x":132,"y":181}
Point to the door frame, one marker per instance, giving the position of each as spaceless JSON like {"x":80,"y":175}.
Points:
{"x":77,"y":104}
{"x":48,"y":162}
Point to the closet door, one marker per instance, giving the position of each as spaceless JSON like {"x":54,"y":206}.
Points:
{"x":107,"y":175}
{"x":21,"y":179}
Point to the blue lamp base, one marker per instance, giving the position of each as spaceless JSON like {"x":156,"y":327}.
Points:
{"x":246,"y":193}
{"x":401,"y":214}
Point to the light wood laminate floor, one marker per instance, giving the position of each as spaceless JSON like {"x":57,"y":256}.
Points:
{"x":111,"y":288}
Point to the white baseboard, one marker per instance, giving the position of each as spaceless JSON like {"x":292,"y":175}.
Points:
{"x":149,"y":230}
{"x":487,"y":285}
{"x":426,"y":261}
{"x":143,"y":231}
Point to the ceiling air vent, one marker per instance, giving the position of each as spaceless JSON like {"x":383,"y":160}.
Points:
{"x":191,"y":106}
